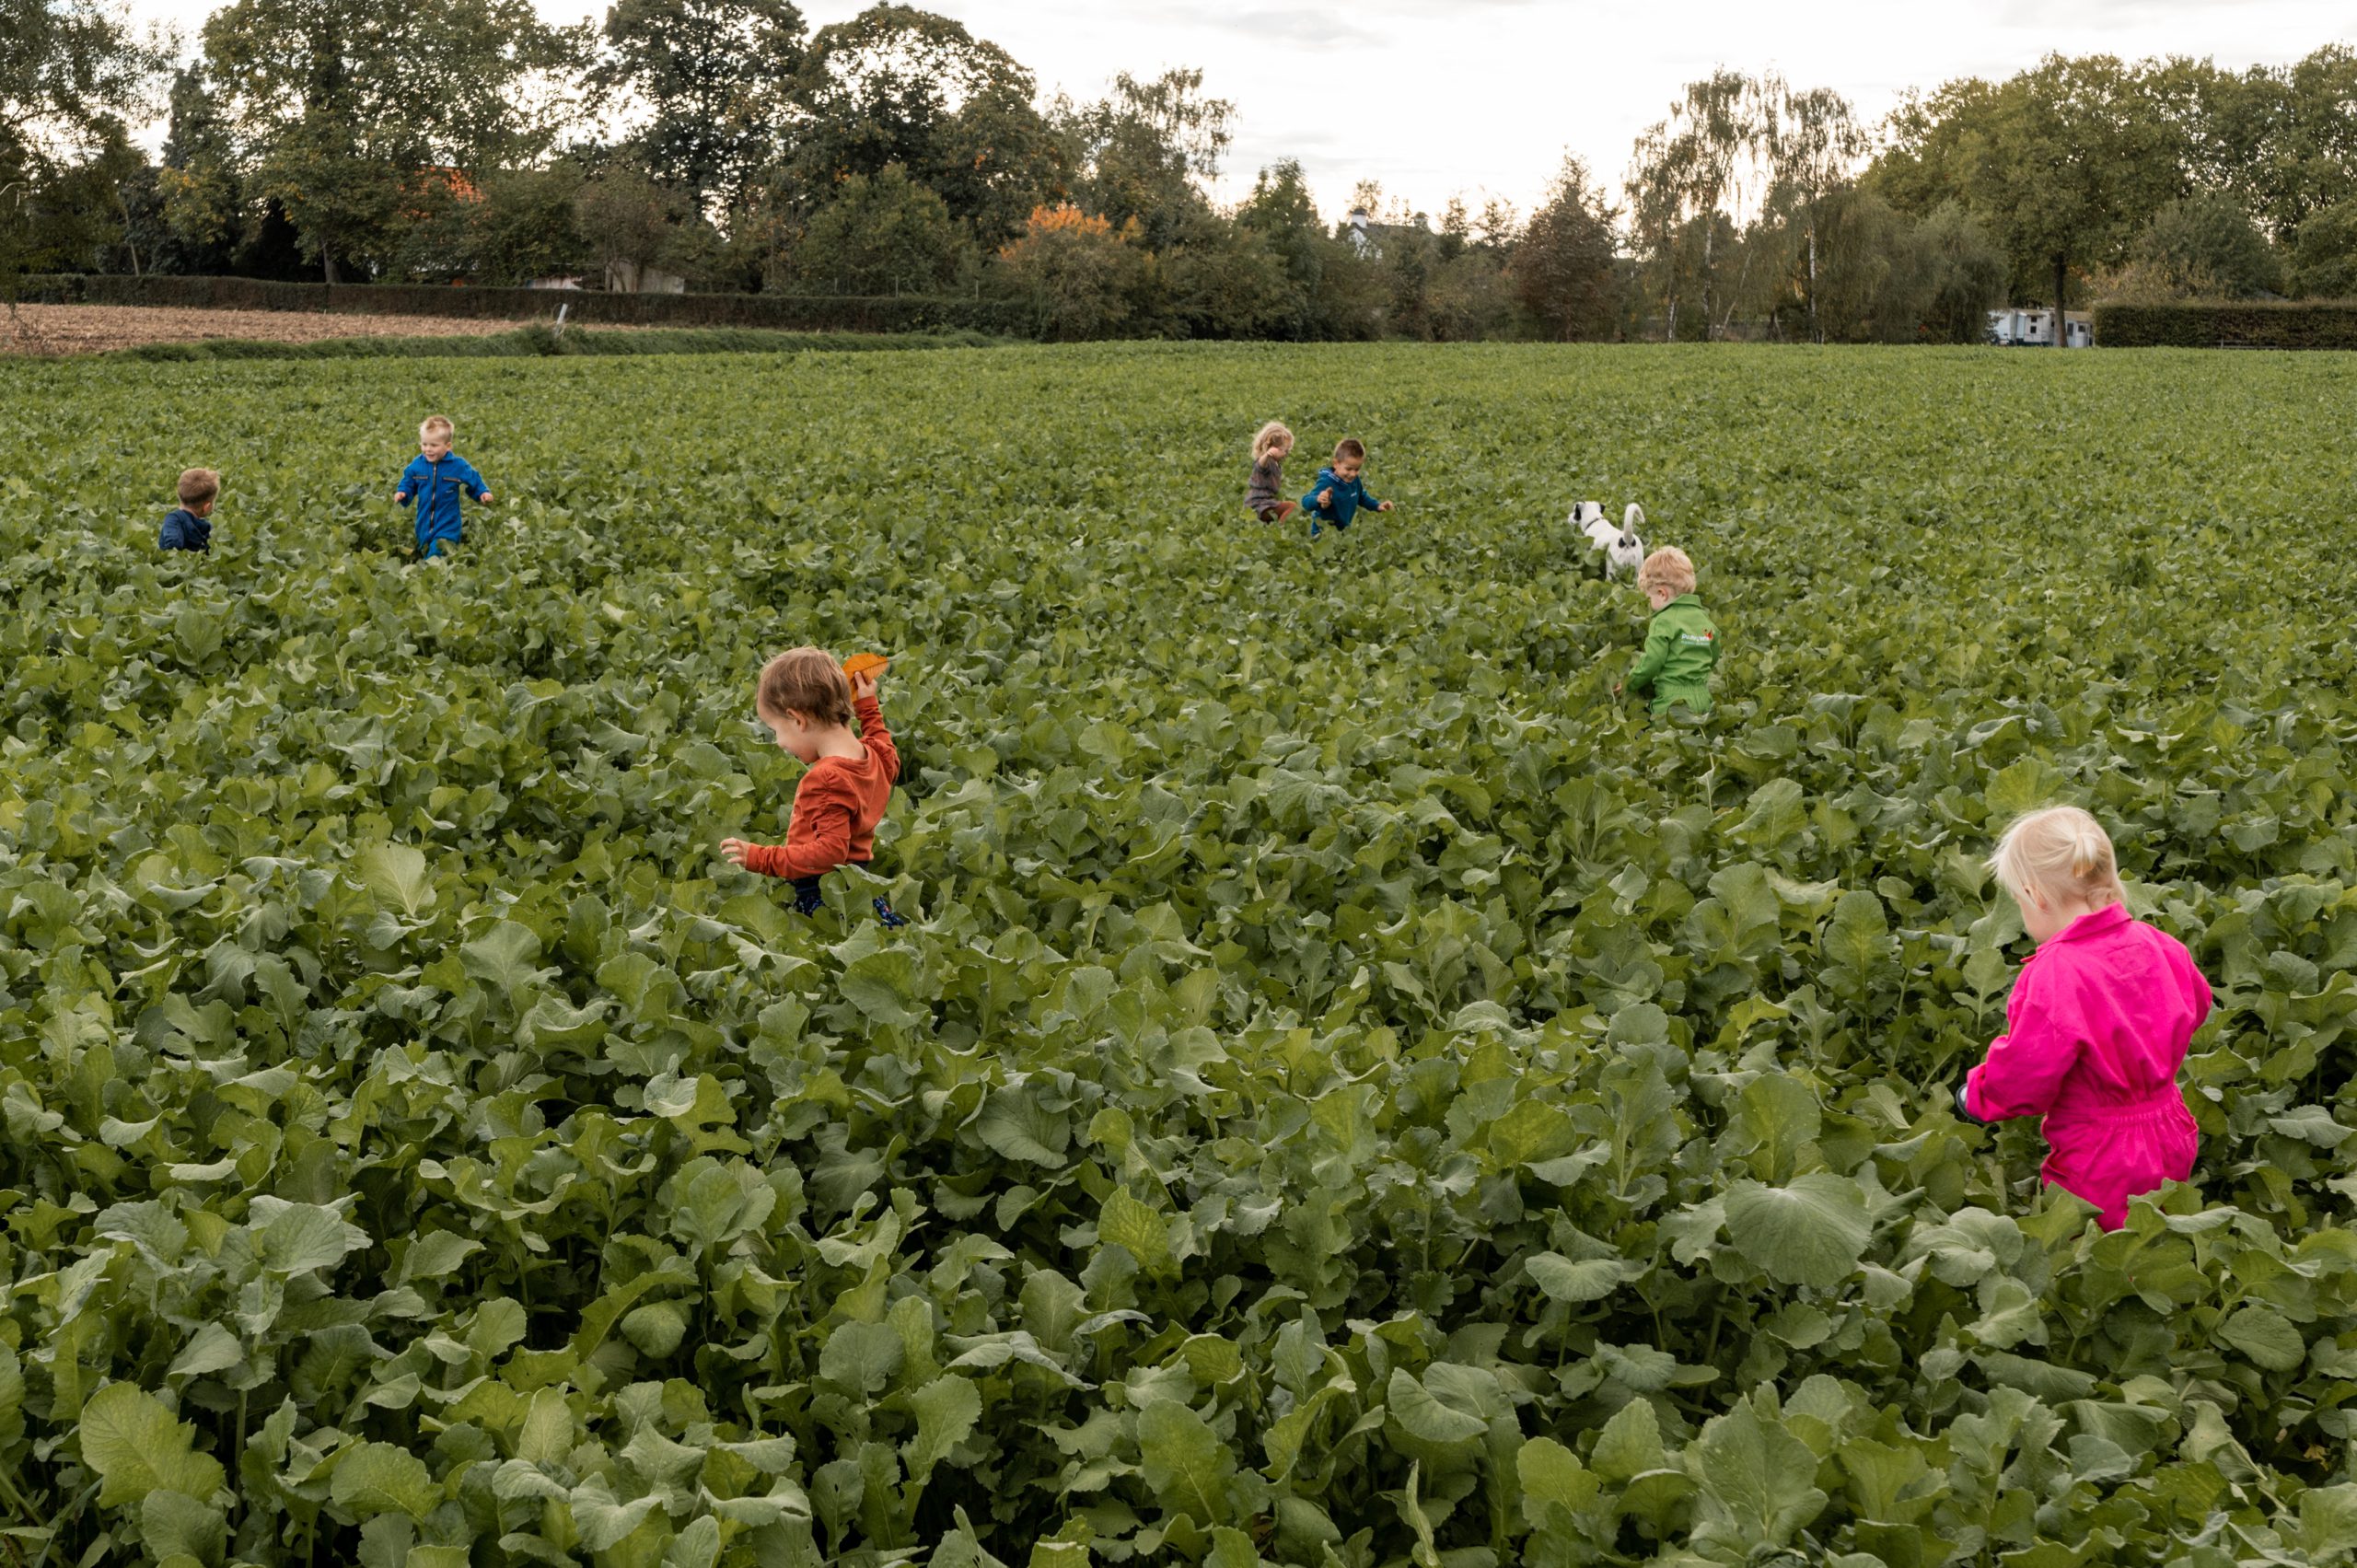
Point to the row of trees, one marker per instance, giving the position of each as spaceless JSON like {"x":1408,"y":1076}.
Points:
{"x":898,"y":153}
{"x":1755,"y":204}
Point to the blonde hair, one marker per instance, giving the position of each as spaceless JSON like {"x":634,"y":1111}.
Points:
{"x":434,"y":426}
{"x":2061,"y":851}
{"x":1270,"y":434}
{"x":198,"y":485}
{"x":1666,"y":568}
{"x":807,"y":681}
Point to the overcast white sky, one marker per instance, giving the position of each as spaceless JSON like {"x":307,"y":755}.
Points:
{"x":1439,"y":97}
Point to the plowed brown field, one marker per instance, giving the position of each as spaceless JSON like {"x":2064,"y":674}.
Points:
{"x":91,"y":329}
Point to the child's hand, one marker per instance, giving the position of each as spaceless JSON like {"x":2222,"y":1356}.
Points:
{"x":1385,"y":508}
{"x":401,"y":497}
{"x":1326,"y":496}
{"x":863,"y":686}
{"x":734,"y":849}
{"x":484,"y":498}
{"x":1616,"y":688}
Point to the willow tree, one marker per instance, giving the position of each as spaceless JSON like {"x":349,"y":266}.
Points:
{"x":1813,"y":142}
{"x":1688,"y":171}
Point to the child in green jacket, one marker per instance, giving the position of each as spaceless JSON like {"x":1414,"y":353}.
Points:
{"x":1682,"y":643}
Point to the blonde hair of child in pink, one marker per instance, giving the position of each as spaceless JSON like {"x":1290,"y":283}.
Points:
{"x":2064,"y":854}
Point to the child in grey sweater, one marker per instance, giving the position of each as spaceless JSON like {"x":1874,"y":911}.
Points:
{"x":1265,"y":497}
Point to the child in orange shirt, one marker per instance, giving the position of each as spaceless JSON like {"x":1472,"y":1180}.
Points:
{"x":809,"y":703}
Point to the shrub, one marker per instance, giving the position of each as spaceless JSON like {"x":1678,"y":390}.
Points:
{"x":2238,"y":324}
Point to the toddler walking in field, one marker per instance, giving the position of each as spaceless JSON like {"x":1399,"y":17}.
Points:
{"x":434,"y":479}
{"x":1682,"y":642}
{"x":809,"y":704}
{"x":1264,"y":496}
{"x":2099,"y":1022}
{"x":189,"y":526}
{"x":1341,"y":492}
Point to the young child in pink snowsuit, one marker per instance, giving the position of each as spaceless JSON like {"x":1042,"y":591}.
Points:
{"x":2097,"y":1024}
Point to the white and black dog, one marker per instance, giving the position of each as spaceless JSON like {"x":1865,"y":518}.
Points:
{"x":1621,"y":549}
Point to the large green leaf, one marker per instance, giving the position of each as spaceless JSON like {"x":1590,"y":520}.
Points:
{"x":397,"y":874}
{"x":502,"y":958}
{"x":861,"y":1358}
{"x":136,"y":1447}
{"x":378,"y":1478}
{"x":1188,"y":1468}
{"x":173,"y":1524}
{"x":1811,"y":1231}
{"x":295,"y":1237}
{"x":1590,"y":1280}
{"x":884,"y":987}
{"x":1630,"y":1445}
{"x":2265,"y":1336}
{"x":1126,"y":1223}
{"x":947,"y":1409}
{"x":1756,"y":1479}
{"x":1014,"y":1125}
{"x":1551,"y":1477}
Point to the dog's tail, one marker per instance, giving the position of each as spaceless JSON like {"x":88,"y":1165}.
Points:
{"x":1633,"y":518}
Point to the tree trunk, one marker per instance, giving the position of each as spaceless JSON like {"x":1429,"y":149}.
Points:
{"x":1709,"y":234}
{"x":128,"y":243}
{"x":1816,"y":333}
{"x":327,"y":265}
{"x":2061,"y":282}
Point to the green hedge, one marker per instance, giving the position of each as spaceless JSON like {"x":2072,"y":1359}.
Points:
{"x":538,"y":340}
{"x":2248,"y":324}
{"x":775,"y":312}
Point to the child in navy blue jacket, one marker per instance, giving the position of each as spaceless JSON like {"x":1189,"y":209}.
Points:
{"x":189,"y":526}
{"x":1339,"y":491}
{"x":434,"y":480}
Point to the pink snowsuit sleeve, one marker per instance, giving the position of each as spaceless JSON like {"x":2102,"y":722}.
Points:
{"x":2027,"y":1064}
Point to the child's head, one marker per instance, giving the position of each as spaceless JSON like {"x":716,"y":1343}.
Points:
{"x":2058,"y":864}
{"x":1348,"y":458}
{"x":802,"y":692}
{"x":433,"y":438}
{"x":1665,"y":573}
{"x":197,"y":489}
{"x":1273,"y":438}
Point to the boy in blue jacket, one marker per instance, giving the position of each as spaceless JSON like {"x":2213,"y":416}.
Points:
{"x":1339,"y":491}
{"x":189,"y":526}
{"x":434,"y":479}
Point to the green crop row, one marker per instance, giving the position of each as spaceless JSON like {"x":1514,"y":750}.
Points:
{"x":1352,"y":1093}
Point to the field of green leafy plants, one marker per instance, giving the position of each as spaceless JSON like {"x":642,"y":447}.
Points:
{"x":1352,"y":1093}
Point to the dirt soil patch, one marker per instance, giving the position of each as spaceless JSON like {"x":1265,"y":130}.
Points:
{"x":93,"y":329}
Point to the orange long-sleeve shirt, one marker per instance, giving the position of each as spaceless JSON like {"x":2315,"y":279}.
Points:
{"x":836,"y":807}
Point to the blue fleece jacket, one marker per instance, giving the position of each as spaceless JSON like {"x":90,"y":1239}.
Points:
{"x":435,"y":488}
{"x":1350,"y":494}
{"x":184,"y":530}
